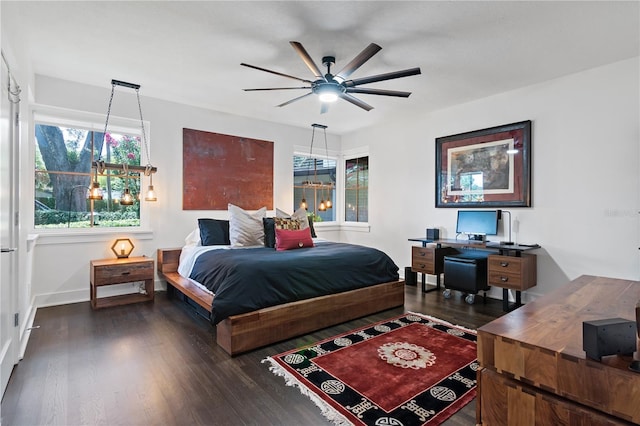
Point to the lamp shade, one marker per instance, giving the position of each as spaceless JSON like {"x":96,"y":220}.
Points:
{"x":122,"y":247}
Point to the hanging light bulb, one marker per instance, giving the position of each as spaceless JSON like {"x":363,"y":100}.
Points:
{"x":151,"y":194}
{"x":127,"y":198}
{"x":95,"y":192}
{"x":322,"y":206}
{"x":303,"y":204}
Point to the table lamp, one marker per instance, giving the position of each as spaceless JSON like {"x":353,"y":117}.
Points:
{"x":122,"y":248}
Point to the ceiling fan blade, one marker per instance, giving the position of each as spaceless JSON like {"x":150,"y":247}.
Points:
{"x":277,"y":88}
{"x":324,"y":107}
{"x":378,"y":92}
{"x":357,"y":62}
{"x":381,"y":77}
{"x":307,"y":59}
{"x":295,"y":99}
{"x":276,"y":73}
{"x":347,"y":97}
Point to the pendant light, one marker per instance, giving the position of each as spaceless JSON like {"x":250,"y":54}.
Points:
{"x":100,"y":166}
{"x":151,"y":194}
{"x":126,"y":199}
{"x":95,"y":192}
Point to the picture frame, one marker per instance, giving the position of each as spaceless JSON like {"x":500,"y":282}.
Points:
{"x":485,"y":168}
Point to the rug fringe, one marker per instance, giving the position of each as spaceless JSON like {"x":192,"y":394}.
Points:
{"x":469,"y":330}
{"x":327,"y":410}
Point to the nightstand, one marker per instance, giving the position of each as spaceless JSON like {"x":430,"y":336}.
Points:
{"x":120,"y":271}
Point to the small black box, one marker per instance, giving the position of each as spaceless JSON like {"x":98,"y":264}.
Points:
{"x":613,"y":336}
{"x":433,"y":234}
{"x":410,"y":277}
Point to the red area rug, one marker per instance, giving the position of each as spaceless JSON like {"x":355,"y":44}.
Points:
{"x":410,"y":370}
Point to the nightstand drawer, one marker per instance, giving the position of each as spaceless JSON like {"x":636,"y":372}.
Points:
{"x":112,"y":274}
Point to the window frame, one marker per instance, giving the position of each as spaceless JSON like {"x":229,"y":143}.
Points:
{"x":331,"y":155}
{"x":346,"y":156}
{"x":55,"y":116}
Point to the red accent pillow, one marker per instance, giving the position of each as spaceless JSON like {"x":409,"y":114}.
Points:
{"x":289,"y":239}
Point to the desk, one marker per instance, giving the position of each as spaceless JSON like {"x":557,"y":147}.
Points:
{"x":509,"y":267}
{"x":535,"y":372}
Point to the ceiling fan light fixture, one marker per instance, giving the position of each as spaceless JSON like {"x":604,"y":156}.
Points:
{"x":327,"y":93}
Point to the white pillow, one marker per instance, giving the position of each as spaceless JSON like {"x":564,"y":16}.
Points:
{"x":300,"y":214}
{"x":246,"y":229}
{"x":193,"y":239}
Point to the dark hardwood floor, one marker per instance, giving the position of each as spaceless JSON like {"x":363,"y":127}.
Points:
{"x":158,"y":364}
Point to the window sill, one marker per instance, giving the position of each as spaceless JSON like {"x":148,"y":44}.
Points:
{"x":355,"y":227}
{"x":87,"y":236}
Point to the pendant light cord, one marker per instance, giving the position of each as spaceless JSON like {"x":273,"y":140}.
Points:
{"x":144,"y":136}
{"x":12,"y":95}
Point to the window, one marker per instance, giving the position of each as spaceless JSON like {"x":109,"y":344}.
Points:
{"x":356,"y":190}
{"x":314,"y":180}
{"x":64,"y":153}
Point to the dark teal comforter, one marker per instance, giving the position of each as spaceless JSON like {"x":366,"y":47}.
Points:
{"x":247,"y":279}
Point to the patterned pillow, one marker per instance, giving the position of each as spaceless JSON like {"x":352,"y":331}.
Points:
{"x":285,"y":223}
{"x":300,"y":214}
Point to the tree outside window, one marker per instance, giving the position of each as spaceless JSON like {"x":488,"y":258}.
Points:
{"x":356,"y":190}
{"x":63,"y":175}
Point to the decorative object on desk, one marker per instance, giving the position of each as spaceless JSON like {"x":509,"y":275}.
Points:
{"x":100,"y":166}
{"x":612,"y":336}
{"x":122,"y":248}
{"x":500,"y":213}
{"x":409,"y":370}
{"x":433,"y":234}
{"x":485,"y":168}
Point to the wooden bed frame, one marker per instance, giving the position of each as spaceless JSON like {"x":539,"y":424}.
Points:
{"x":244,"y":332}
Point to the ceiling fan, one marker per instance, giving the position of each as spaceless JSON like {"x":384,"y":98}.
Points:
{"x":329,"y":87}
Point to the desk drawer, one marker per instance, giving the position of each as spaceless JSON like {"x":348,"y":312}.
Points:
{"x":422,"y":260}
{"x":517,"y":273}
{"x":113,"y":274}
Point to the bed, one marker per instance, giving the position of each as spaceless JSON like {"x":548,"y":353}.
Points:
{"x":282,"y":316}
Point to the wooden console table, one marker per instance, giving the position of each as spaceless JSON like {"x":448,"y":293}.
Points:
{"x":508,"y":266}
{"x":535,"y":372}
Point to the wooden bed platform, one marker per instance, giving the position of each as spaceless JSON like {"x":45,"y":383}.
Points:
{"x":244,"y":332}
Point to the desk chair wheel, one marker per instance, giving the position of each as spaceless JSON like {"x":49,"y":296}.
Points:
{"x":470,"y":298}
{"x":447,"y":294}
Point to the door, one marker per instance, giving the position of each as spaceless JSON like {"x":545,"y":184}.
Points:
{"x":9,"y":136}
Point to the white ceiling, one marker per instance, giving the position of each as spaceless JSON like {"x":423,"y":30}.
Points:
{"x":190,"y":51}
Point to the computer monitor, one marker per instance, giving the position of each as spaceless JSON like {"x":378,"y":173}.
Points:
{"x":477,"y":223}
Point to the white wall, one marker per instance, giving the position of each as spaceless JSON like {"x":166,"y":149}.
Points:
{"x":62,"y":270}
{"x":585,"y":173}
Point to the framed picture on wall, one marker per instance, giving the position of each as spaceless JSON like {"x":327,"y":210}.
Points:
{"x":485,"y":168}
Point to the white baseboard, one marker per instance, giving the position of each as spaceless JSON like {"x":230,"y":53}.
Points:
{"x":25,"y":330}
{"x":77,"y":296}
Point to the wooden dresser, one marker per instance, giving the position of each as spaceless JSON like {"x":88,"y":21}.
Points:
{"x":535,"y":372}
